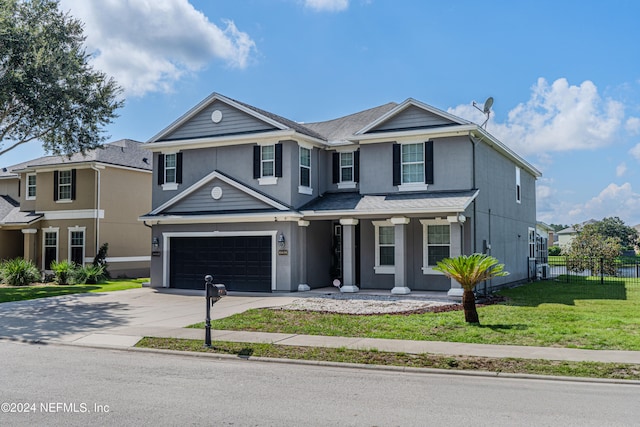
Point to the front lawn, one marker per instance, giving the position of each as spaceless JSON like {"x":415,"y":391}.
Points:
{"x":19,"y":293}
{"x":581,"y":314}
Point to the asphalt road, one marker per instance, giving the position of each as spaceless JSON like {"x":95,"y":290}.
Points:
{"x":66,"y":385}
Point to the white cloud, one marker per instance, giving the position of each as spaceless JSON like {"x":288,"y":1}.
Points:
{"x":615,"y":200}
{"x":147,"y":45}
{"x":621,"y":169}
{"x":557,"y":117}
{"x":635,"y":152}
{"x":327,"y":5}
{"x":633,"y":125}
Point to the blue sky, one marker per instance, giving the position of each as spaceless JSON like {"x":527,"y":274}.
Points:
{"x":565,"y":75}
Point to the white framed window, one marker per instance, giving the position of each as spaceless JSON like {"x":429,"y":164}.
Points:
{"x":412,"y":158}
{"x":170,"y":168}
{"x":532,"y":243}
{"x":268,"y":160}
{"x":77,"y":245}
{"x":518,"y":187}
{"x":346,"y":167}
{"x":64,"y":185}
{"x":385,"y":239}
{"x":49,"y":247}
{"x":436,"y":243}
{"x":305,"y":171}
{"x":30,"y":194}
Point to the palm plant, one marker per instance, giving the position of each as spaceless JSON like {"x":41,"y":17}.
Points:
{"x":469,"y":270}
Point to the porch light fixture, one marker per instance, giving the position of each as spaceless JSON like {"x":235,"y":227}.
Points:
{"x":155,"y":243}
{"x":281,"y":241}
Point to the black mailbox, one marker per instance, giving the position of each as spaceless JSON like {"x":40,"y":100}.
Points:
{"x":213,"y":293}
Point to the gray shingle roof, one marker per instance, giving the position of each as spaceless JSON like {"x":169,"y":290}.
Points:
{"x":10,"y":213}
{"x":450,"y":201}
{"x":124,"y":152}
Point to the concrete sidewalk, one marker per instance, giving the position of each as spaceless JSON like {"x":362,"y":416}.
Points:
{"x":121,"y":319}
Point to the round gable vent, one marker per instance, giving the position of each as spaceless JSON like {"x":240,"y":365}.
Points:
{"x":216,"y":116}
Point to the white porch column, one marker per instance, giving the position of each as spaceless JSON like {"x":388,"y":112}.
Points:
{"x":400,"y":278}
{"x":302,"y":256}
{"x":455,"y":222}
{"x":349,"y":255}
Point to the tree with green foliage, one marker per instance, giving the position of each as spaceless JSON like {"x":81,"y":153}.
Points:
{"x":616,"y":228}
{"x":591,"y":250}
{"x":469,"y":271}
{"x":48,"y":90}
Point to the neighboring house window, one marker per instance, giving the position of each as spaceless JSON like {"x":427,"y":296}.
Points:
{"x":170,"y":170}
{"x":267,"y":163}
{"x":437,"y":243}
{"x":76,"y":245}
{"x":346,"y":169}
{"x":413,"y":165}
{"x":305,"y":171}
{"x":31,"y":186}
{"x":385,"y":247}
{"x":50,"y":247}
{"x":518,"y":188}
{"x":64,"y":185}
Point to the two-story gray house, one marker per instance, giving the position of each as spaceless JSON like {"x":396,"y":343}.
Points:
{"x":373,"y":199}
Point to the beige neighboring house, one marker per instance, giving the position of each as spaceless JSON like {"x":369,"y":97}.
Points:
{"x":566,"y":236}
{"x":59,"y":207}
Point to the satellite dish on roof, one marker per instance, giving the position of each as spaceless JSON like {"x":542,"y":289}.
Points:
{"x":486,"y":109}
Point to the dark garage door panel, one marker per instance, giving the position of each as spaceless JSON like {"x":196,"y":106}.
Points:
{"x":241,"y":263}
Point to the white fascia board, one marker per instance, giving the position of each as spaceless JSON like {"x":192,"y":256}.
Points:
{"x":57,"y":166}
{"x":383,"y":212}
{"x":72,"y":214}
{"x":438,"y":132}
{"x":213,"y":175}
{"x":501,"y":147}
{"x":271,"y":137}
{"x":401,"y":107}
{"x":230,"y":218}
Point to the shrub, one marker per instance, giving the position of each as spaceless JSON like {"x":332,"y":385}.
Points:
{"x":88,"y":274}
{"x":63,"y":272}
{"x":100,"y":260}
{"x":555,"y":251}
{"x":19,"y":272}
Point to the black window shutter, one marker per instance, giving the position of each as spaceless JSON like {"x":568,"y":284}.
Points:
{"x":336,"y":167}
{"x":279,"y":160}
{"x":256,"y":162}
{"x":55,"y":185}
{"x":428,"y":162}
{"x":397,"y":166}
{"x":160,"y":169}
{"x":356,"y":166}
{"x":179,"y":168}
{"x":20,"y":185}
{"x":73,"y":184}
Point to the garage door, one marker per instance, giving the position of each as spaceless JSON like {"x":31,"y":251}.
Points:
{"x":241,"y":263}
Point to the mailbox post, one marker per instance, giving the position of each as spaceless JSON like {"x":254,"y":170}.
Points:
{"x":213,"y":293}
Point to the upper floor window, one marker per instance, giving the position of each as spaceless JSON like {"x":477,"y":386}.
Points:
{"x":305,"y":171}
{"x":518,"y":188}
{"x":267,"y":163}
{"x":31,"y":186}
{"x":64,"y":185}
{"x":385,"y":247}
{"x":170,"y":170}
{"x":413,"y":165}
{"x":346,"y":167}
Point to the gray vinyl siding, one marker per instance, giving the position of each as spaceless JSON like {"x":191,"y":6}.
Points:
{"x":500,"y":220}
{"x":232,"y":199}
{"x":412,"y":117}
{"x":233,"y":121}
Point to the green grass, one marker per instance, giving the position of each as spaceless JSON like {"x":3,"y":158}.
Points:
{"x":581,"y":314}
{"x":20,"y":293}
{"x":374,"y":357}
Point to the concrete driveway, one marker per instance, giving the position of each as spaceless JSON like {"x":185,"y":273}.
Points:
{"x":119,"y":318}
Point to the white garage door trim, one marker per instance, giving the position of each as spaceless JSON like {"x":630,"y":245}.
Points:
{"x":166,"y":246}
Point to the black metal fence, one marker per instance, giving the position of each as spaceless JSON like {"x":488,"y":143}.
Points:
{"x":573,"y":269}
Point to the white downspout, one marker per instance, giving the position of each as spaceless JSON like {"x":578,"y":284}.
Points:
{"x":98,"y":188}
